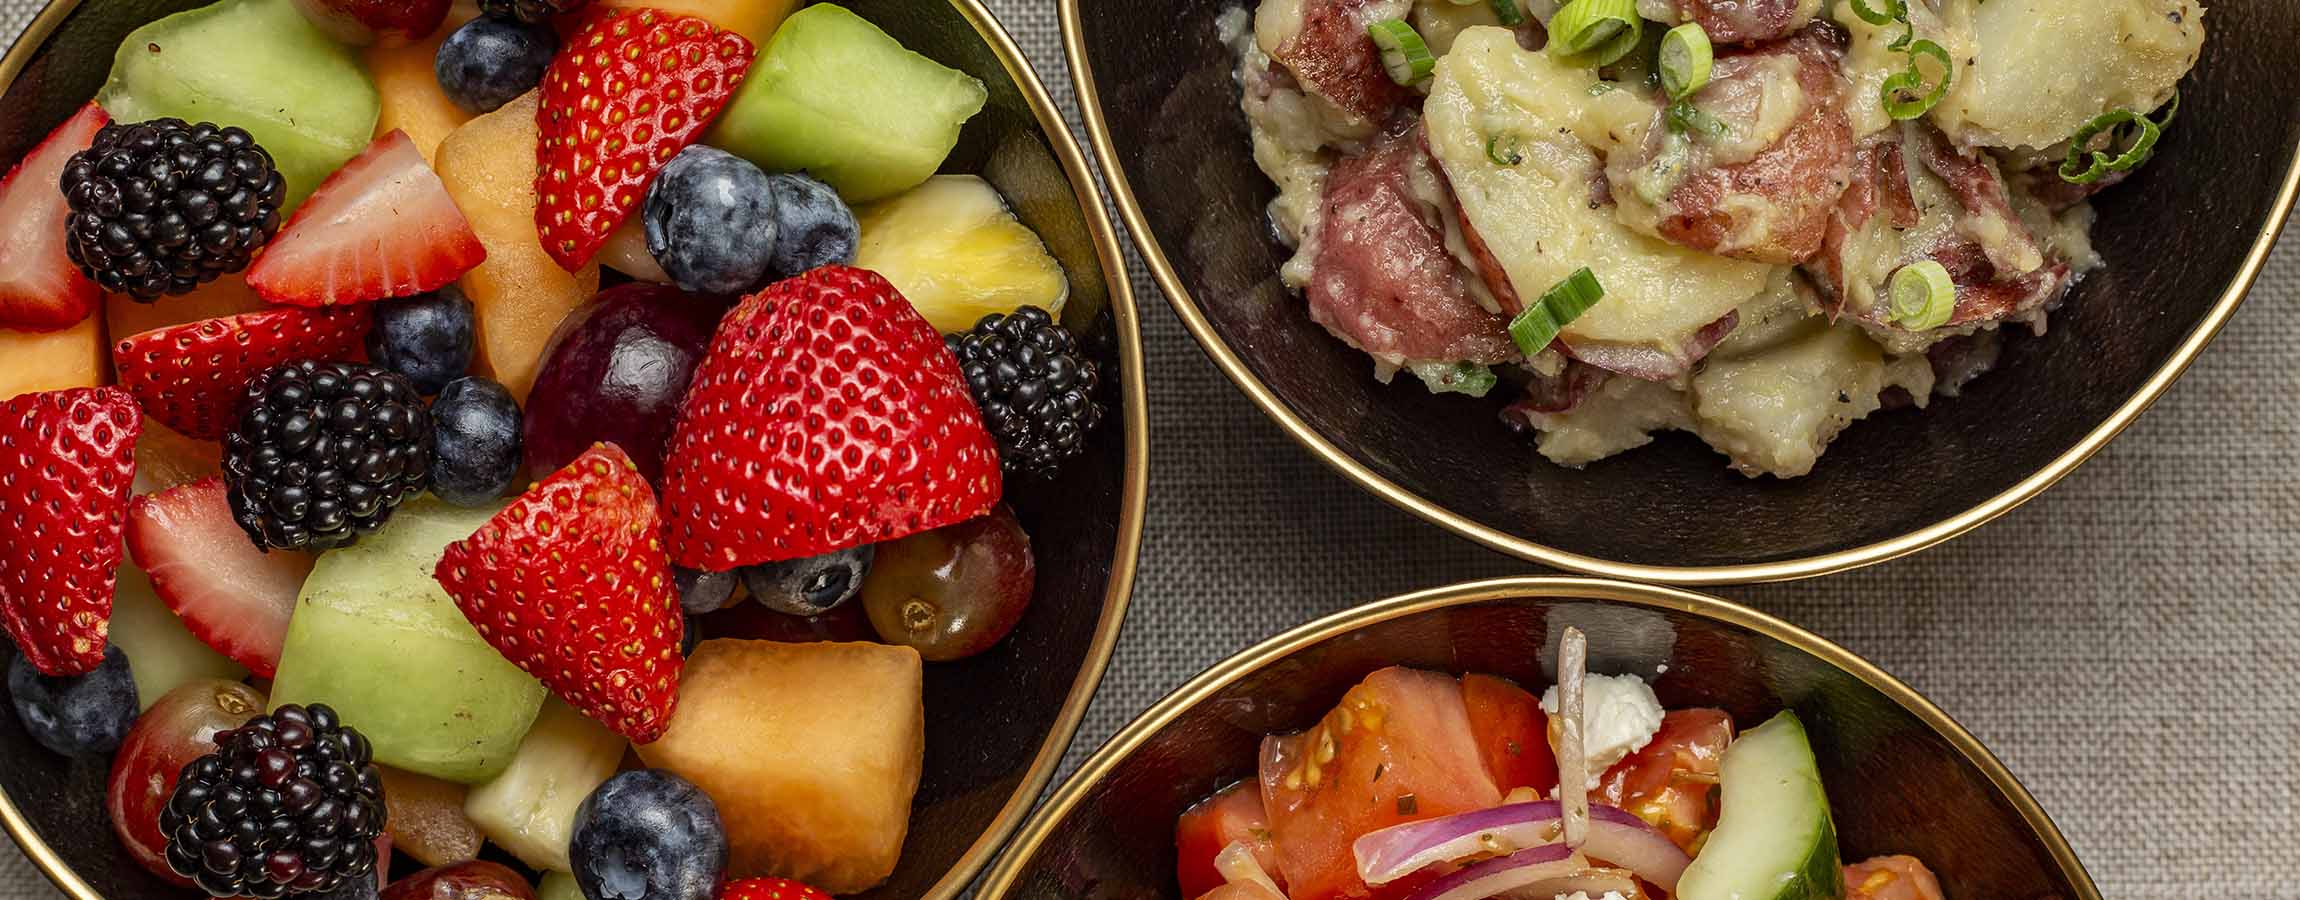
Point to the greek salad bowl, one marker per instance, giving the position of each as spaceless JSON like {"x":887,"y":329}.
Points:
{"x":1692,"y":292}
{"x":1424,"y":746}
{"x":405,"y":521}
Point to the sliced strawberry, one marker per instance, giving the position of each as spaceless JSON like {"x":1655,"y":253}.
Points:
{"x":234,"y":597}
{"x":190,"y":377}
{"x":771,"y":889}
{"x":826,"y":415}
{"x":66,"y":461}
{"x":382,"y":226}
{"x":570,"y":583}
{"x":632,"y":89}
{"x":40,"y":288}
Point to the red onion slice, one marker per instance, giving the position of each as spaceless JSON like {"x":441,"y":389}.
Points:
{"x":1588,"y":883}
{"x":1615,"y":836}
{"x":1494,"y":877}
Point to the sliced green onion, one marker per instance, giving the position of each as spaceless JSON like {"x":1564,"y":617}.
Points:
{"x":1502,"y":150}
{"x":1924,"y":297}
{"x":1456,"y":378}
{"x":1686,"y":59}
{"x":1685,"y":118}
{"x":1894,"y":11}
{"x":2085,"y":166}
{"x":1905,"y":97}
{"x":1596,"y":32}
{"x":1542,"y":321}
{"x":1404,"y":54}
{"x":1508,"y":13}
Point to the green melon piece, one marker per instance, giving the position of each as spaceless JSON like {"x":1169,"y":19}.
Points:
{"x":257,"y":64}
{"x":377,"y":638}
{"x":836,"y":97}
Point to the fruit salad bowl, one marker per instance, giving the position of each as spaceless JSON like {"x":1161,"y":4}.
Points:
{"x":2181,"y":241}
{"x":1900,"y":777}
{"x":996,"y":715}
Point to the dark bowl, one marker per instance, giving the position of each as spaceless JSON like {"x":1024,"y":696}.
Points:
{"x":1902,"y":776}
{"x":997,"y":725}
{"x":2183,"y":240}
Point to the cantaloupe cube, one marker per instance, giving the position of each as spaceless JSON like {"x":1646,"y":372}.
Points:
{"x":519,"y":293}
{"x":409,"y":84}
{"x":226,"y":296}
{"x":754,"y":19}
{"x":34,"y":361}
{"x":811,"y":751}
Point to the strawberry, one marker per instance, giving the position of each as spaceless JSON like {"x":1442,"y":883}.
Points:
{"x":190,"y":377}
{"x":40,"y":288}
{"x":827,"y":414}
{"x":66,"y":461}
{"x":631,"y":90}
{"x":382,"y":226}
{"x":570,"y":583}
{"x":771,"y":889}
{"x":234,"y":597}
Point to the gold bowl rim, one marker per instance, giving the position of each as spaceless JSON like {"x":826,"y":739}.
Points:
{"x":1003,"y":877}
{"x":1133,"y":490}
{"x":1224,"y":357}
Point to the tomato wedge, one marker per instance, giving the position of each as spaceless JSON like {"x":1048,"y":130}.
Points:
{"x":1891,"y":878}
{"x":1233,"y":814}
{"x":1669,"y":782}
{"x":1512,"y":733}
{"x":1399,"y":748}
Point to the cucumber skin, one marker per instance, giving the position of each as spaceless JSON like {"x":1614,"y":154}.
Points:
{"x":1821,"y":875}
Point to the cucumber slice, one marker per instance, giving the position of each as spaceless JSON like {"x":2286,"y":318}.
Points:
{"x":1774,"y":839}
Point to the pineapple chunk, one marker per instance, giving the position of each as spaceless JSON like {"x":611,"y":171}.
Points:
{"x":38,"y":361}
{"x":530,"y":808}
{"x":812,"y":752}
{"x":957,"y":254}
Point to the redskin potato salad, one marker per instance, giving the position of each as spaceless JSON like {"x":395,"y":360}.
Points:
{"x":1757,"y":221}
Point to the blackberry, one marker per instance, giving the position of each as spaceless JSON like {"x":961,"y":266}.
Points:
{"x":289,"y":803}
{"x":533,"y":11}
{"x":324,"y":452}
{"x":162,"y":207}
{"x":1035,"y":388}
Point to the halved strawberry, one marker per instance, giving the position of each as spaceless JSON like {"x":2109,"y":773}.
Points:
{"x":382,"y":226}
{"x":233,"y":597}
{"x":570,"y":583}
{"x":631,"y":90}
{"x":40,"y":288}
{"x":826,"y":415}
{"x":191,"y":377}
{"x":66,"y":460}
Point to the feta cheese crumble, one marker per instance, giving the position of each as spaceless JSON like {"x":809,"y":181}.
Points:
{"x":1620,"y":715}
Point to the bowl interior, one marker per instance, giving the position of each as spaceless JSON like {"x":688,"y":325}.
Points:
{"x":2176,"y":238}
{"x":995,"y":724}
{"x":1898,"y":784}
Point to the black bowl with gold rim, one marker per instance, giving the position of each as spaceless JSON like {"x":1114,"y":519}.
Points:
{"x":1902,"y":776}
{"x":997,"y":725}
{"x":2183,"y":241}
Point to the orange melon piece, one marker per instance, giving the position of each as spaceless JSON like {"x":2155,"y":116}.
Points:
{"x":226,"y":296}
{"x":754,"y":19}
{"x":52,"y":360}
{"x":409,"y":85}
{"x":520,"y":294}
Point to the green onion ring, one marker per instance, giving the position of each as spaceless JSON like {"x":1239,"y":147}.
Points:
{"x":1685,"y":118}
{"x":1902,"y":100}
{"x":1503,"y":154}
{"x":2087,"y":166}
{"x":1894,"y":11}
{"x":1534,"y":329}
{"x":1686,"y":60}
{"x":1404,"y":54}
{"x":1924,"y":297}
{"x":1595,"y":32}
{"x":1508,"y":12}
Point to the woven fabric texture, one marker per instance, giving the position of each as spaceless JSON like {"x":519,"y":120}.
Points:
{"x":2128,"y":643}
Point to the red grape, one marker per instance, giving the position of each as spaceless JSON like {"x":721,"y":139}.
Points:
{"x":470,"y":880}
{"x":953,"y":592}
{"x":178,"y":729}
{"x":392,"y":23}
{"x":616,"y":370}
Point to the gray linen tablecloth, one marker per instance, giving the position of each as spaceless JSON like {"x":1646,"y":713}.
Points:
{"x":2129,"y":643}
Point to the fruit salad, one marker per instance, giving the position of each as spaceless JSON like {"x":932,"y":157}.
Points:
{"x":1757,"y":221}
{"x":1423,"y":786}
{"x":538,"y":430}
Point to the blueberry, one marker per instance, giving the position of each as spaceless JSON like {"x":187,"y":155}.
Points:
{"x":80,"y":714}
{"x":428,"y":337}
{"x":475,"y":428}
{"x":490,"y":62}
{"x":813,"y":227}
{"x":647,"y":834}
{"x":702,"y":592}
{"x":710,"y":222}
{"x":813,"y":586}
